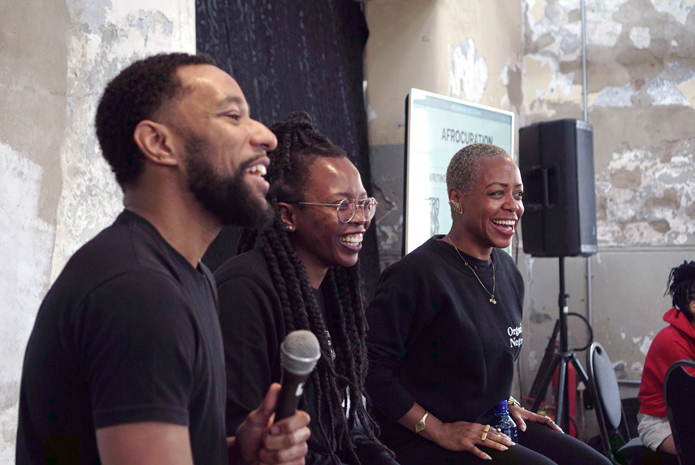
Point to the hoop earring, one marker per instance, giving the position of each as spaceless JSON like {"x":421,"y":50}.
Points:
{"x":456,"y":207}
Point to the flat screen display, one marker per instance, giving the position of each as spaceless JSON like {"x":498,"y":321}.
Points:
{"x":437,"y":128}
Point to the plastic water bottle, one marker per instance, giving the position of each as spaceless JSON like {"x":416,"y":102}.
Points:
{"x":504,"y":422}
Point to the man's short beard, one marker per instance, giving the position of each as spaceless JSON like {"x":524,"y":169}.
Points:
{"x":229,"y":199}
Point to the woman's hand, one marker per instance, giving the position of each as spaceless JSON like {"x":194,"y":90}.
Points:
{"x":461,"y":435}
{"x":259,"y":440}
{"x":521,"y":416}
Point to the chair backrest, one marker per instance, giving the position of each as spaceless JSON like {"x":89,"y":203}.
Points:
{"x":606,"y":394}
{"x":607,"y":387}
{"x":679,"y":392}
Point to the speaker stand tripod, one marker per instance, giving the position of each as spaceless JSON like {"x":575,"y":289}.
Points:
{"x":561,"y":359}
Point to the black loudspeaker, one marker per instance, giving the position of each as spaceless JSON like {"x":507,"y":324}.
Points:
{"x":556,"y":160}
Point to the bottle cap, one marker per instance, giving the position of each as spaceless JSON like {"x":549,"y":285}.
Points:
{"x":502,"y":405}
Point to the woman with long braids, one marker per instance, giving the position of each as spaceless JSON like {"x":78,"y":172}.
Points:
{"x":303,"y":274}
{"x":445,"y":330}
{"x":673,"y":343}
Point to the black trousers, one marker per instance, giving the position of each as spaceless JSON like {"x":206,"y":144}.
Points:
{"x":538,"y":445}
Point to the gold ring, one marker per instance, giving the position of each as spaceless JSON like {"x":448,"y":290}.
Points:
{"x":485,"y":430}
{"x":483,"y":437}
{"x":549,"y":421}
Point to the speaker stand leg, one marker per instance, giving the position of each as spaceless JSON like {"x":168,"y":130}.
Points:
{"x":560,"y":361}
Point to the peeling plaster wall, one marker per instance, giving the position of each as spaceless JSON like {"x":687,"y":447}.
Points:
{"x":26,"y":245}
{"x":641,"y":73}
{"x":641,"y":84}
{"x":465,"y":49}
{"x":102,"y":39}
{"x":55,"y":59}
{"x":32,"y":98}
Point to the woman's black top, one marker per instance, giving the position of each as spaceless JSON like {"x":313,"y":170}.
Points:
{"x":435,"y":338}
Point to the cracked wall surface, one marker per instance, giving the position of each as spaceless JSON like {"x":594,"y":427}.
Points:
{"x":102,"y":39}
{"x":55,"y":59}
{"x":640,"y":90}
{"x":640,"y":71}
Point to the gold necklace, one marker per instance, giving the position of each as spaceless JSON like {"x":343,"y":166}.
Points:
{"x":492,"y":294}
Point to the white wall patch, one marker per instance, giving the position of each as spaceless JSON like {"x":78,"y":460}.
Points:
{"x":27,"y":243}
{"x":468,"y":73}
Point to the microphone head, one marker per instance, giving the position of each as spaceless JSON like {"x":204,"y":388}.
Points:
{"x":299,"y":352}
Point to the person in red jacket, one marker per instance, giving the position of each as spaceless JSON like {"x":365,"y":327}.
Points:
{"x":673,"y":343}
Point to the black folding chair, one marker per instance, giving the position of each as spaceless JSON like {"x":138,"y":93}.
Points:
{"x":609,"y":408}
{"x":611,"y":415}
{"x":679,"y":392}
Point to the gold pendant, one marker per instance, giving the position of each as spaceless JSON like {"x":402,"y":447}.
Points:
{"x":492,"y":300}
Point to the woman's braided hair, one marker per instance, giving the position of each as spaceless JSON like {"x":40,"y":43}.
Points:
{"x":299,"y":145}
{"x":681,"y":287}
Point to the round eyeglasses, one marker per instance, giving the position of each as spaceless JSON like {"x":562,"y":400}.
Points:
{"x":347,"y":208}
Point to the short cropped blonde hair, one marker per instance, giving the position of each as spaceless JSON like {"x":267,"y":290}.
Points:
{"x":462,"y":171}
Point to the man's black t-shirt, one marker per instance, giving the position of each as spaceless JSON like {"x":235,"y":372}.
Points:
{"x":128,"y":333}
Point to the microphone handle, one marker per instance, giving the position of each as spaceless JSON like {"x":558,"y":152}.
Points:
{"x":290,"y":392}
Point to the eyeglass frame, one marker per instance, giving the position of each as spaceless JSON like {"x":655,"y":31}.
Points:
{"x":371,"y":200}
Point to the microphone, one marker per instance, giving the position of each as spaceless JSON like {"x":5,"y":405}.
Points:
{"x":299,"y":353}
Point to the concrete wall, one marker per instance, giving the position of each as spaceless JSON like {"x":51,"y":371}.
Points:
{"x":55,"y":59}
{"x":525,"y":57}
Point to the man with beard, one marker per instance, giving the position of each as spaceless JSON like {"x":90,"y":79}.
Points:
{"x":125,"y":362}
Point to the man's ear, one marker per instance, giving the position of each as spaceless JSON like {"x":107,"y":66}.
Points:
{"x":156,"y":142}
{"x":287,"y":216}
